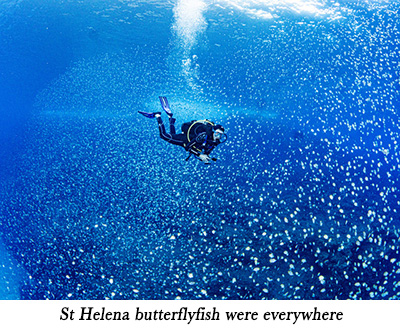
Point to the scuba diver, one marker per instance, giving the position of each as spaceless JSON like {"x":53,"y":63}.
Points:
{"x":198,"y":137}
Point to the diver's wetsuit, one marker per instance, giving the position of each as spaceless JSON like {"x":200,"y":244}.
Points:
{"x":201,"y":137}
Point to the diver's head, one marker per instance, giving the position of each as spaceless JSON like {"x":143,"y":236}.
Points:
{"x":219,"y":134}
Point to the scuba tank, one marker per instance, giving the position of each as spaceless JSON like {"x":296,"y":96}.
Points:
{"x":194,"y":128}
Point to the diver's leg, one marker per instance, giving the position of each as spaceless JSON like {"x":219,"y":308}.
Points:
{"x":172,"y":125}
{"x":177,"y":139}
{"x":163,"y":133}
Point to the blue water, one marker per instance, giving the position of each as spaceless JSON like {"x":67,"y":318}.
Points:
{"x":303,"y":202}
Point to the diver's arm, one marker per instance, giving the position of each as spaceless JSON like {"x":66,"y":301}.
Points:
{"x":205,"y":158}
{"x":200,"y":153}
{"x":209,"y":149}
{"x":192,"y":148}
{"x":195,"y":151}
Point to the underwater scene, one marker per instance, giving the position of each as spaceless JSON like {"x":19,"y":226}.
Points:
{"x":302,"y":200}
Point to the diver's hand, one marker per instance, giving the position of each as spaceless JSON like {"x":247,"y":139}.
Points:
{"x":205,"y":159}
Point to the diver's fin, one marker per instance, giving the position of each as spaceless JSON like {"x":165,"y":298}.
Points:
{"x":149,"y":114}
{"x":165,"y":105}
